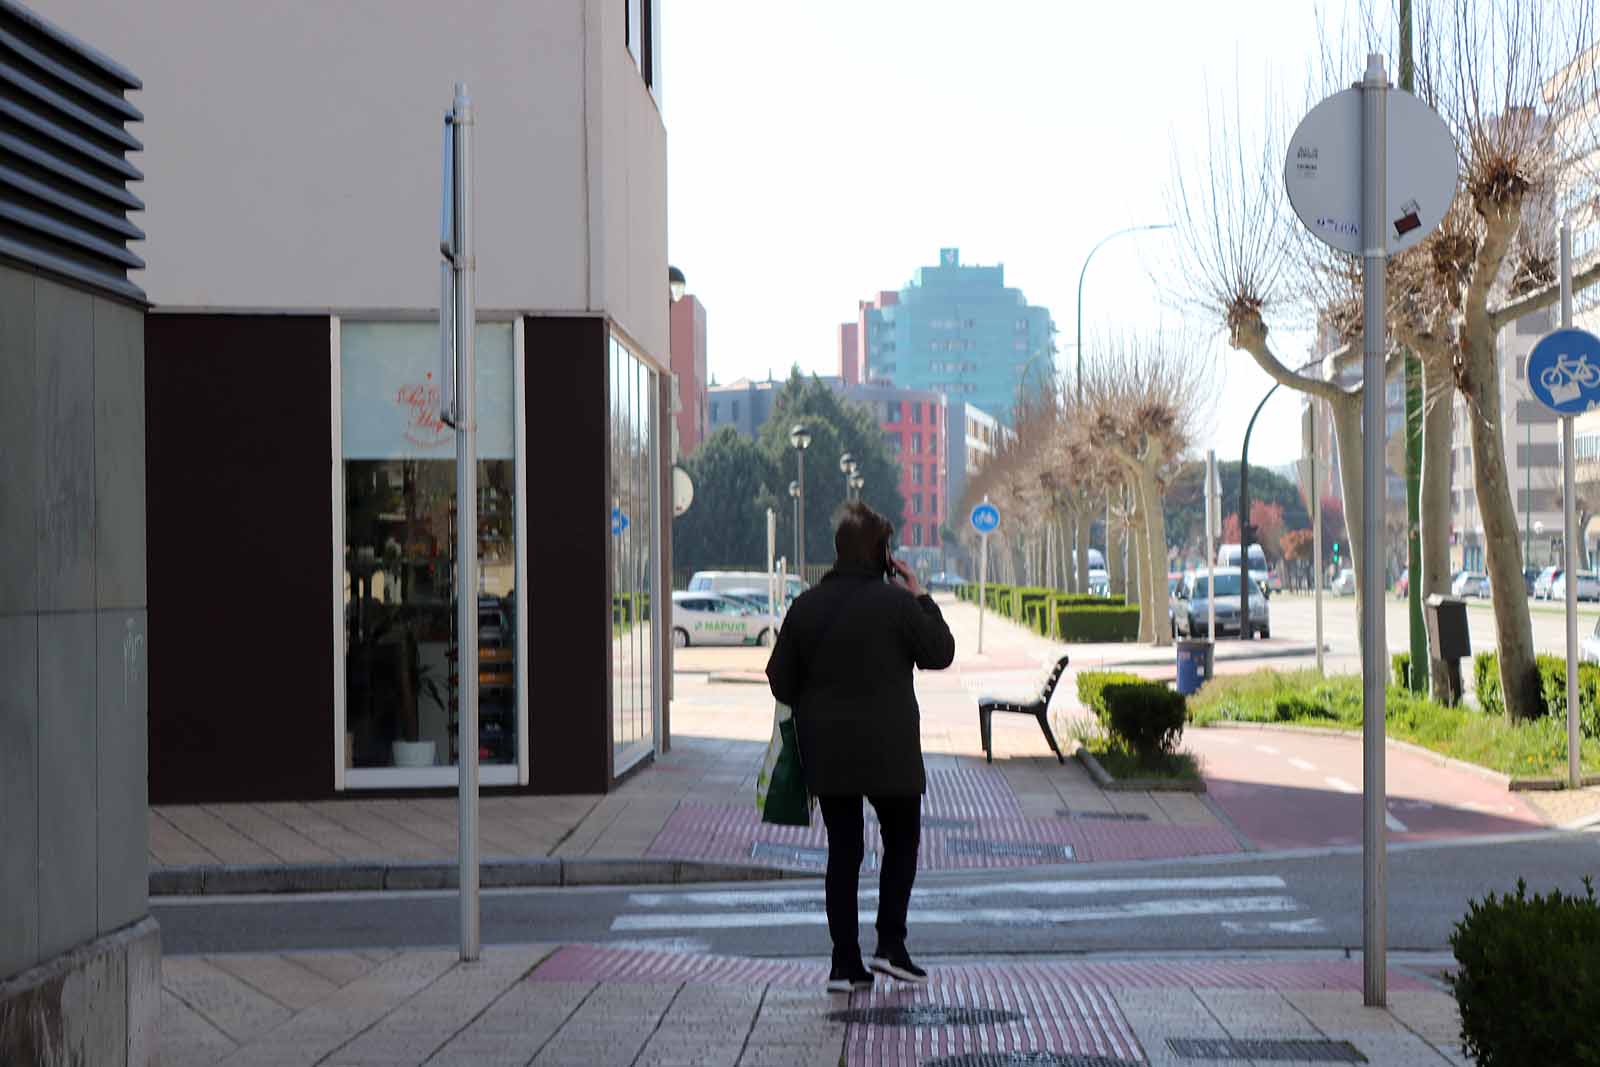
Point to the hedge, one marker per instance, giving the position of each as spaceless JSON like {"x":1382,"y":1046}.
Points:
{"x":1091,"y":688}
{"x":1146,"y":716}
{"x":1527,"y":985}
{"x":1097,"y":623}
{"x":1552,"y":689}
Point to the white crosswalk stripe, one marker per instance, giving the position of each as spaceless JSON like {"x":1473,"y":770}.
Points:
{"x":1240,"y":898}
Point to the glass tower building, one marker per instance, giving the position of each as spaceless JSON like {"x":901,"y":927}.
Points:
{"x":956,"y":329}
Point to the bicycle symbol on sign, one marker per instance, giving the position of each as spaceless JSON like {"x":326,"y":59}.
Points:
{"x":1569,"y":377}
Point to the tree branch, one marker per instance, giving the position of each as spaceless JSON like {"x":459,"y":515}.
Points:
{"x":1539,"y":299}
{"x":1255,"y":342}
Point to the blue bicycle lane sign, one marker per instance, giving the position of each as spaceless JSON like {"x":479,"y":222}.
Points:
{"x":1564,"y":371}
{"x":985,"y":518}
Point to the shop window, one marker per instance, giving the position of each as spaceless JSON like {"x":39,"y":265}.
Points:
{"x":634,"y":491}
{"x":400,"y":647}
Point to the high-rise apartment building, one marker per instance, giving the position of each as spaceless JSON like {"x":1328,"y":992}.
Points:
{"x":956,"y":330}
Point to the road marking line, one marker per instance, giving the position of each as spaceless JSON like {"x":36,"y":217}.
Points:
{"x":1342,"y":786}
{"x":1268,"y":749}
{"x":1393,"y":823}
{"x":1144,"y":909}
{"x":1292,"y":926}
{"x":1081,"y":887}
{"x":1302,"y":765}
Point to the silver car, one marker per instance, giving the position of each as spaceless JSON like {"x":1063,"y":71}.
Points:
{"x":1588,"y":586}
{"x":1591,"y":646}
{"x":1470,"y":583}
{"x":1191,"y":609}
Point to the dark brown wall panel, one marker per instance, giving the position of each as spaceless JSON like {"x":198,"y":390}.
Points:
{"x":240,"y":518}
{"x":569,"y":614}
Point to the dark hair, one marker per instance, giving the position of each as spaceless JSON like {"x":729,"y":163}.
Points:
{"x":862,"y":536}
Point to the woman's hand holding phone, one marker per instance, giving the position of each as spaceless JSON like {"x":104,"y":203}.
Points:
{"x":906,"y":578}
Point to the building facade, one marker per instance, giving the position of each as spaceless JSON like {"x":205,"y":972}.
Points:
{"x":691,"y":419}
{"x":300,"y":482}
{"x":80,"y":954}
{"x":956,"y":330}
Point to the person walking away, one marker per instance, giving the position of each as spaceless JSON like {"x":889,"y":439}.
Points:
{"x":843,"y":662}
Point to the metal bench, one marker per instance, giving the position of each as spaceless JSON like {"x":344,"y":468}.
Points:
{"x":1038,"y":707}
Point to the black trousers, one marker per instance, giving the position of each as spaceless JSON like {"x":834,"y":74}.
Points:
{"x":900,"y":823}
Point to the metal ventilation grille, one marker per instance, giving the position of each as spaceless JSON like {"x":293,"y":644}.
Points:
{"x":64,"y":146}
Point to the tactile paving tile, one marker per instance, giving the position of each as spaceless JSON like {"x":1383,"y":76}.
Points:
{"x":1265,"y":1051}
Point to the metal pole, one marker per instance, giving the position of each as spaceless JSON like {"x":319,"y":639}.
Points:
{"x":1569,"y":548}
{"x":1213,"y":506}
{"x":800,"y":502}
{"x":1244,"y":520}
{"x":1316,"y":538}
{"x":1374,"y":941}
{"x":1084,"y":271}
{"x":983,"y":579}
{"x":466,"y":530}
{"x":1527,"y":499}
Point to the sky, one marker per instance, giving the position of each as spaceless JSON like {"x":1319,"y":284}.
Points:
{"x":820,"y":152}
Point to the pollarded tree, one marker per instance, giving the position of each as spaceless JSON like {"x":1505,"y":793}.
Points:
{"x":1145,"y":399}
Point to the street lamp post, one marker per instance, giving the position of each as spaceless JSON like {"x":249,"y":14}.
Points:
{"x":794,"y":492}
{"x":800,"y":438}
{"x":847,"y":467}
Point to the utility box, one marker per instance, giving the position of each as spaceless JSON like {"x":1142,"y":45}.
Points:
{"x":1448,"y":638}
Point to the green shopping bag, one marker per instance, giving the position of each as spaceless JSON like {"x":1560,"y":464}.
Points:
{"x":781,"y":795}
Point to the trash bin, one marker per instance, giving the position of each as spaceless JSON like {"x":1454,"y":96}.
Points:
{"x":1448,"y":638}
{"x":1194,"y":665}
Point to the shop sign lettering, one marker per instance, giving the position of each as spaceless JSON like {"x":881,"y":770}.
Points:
{"x":421,"y":404}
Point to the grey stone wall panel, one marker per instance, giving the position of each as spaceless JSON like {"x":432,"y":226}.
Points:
{"x":64,"y":439}
{"x":119,"y":537}
{"x":18,"y":455}
{"x":68,"y":746}
{"x":19,"y":793}
{"x":123,"y":824}
{"x":95,"y":1006}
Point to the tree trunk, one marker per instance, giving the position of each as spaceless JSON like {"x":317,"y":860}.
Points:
{"x":1437,"y":419}
{"x":1115,"y":569}
{"x":1519,"y":677}
{"x":1155,"y":523}
{"x":1081,"y":536}
{"x":1347,"y":439}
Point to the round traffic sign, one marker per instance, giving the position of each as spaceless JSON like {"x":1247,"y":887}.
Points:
{"x":1322,"y":173}
{"x":682,"y":491}
{"x":985,"y":518}
{"x":1564,"y":371}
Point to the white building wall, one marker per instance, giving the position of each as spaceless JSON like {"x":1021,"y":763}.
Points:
{"x":292,"y":155}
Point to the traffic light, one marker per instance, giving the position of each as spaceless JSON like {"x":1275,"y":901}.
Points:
{"x":1336,"y":552}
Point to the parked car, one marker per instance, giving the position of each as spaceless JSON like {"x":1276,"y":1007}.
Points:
{"x":945,"y":580}
{"x":1541,"y":584}
{"x":1591,"y":646}
{"x":1530,"y":576}
{"x":758,"y":600}
{"x":1588,"y":586}
{"x":1344,"y":584}
{"x":1470,"y":583}
{"x":724,"y":581}
{"x":714,"y":619}
{"x":1191,"y":611}
{"x":1099,"y":581}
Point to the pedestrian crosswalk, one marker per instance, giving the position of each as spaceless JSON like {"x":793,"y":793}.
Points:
{"x":1240,"y":904}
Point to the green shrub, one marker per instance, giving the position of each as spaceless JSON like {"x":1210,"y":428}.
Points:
{"x":1528,"y":979}
{"x":1553,"y":684}
{"x":1097,"y":622}
{"x":1486,"y":680}
{"x":1402,"y":668}
{"x":1091,"y":689}
{"x":1146,"y":716}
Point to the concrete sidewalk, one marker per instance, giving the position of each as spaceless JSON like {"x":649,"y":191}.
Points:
{"x":690,"y":816}
{"x":601,"y":1005}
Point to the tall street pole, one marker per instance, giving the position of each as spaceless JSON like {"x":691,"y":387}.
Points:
{"x":1374,"y":658}
{"x":1569,"y":547}
{"x":1419,"y":674}
{"x":1244,"y":521}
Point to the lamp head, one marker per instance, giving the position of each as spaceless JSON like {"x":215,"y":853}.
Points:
{"x":846,"y":461}
{"x":676,"y":283}
{"x":800,"y":437}
{"x":794,"y":488}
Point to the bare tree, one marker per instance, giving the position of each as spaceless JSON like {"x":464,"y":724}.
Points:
{"x":1144,"y":399}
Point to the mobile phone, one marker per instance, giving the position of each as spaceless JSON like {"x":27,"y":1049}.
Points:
{"x":889,"y":570}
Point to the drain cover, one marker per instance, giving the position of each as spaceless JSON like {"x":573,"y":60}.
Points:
{"x":924,"y":1015}
{"x":975,"y":846}
{"x":1026,"y":1059}
{"x":1204,"y":1048}
{"x":1118,"y":816}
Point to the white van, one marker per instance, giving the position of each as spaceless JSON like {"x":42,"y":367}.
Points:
{"x":737,"y":581}
{"x":1228,"y":556}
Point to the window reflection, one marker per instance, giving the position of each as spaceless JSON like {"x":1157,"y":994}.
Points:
{"x":632,"y":554}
